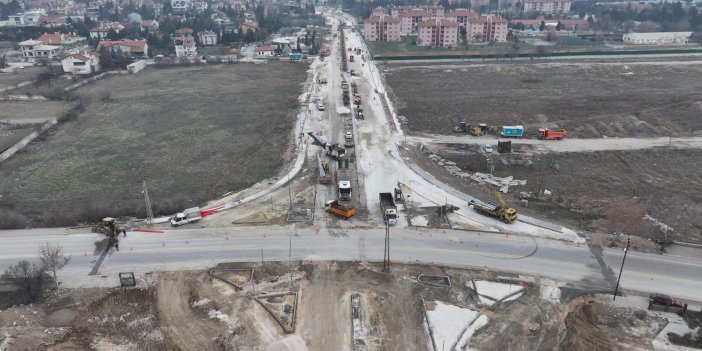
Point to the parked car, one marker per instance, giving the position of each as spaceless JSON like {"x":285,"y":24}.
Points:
{"x":665,"y":300}
{"x":320,"y":106}
{"x":487,"y":148}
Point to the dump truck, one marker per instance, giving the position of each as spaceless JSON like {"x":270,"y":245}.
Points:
{"x":324,"y":174}
{"x":344,"y":85}
{"x":348,"y":139}
{"x":337,"y":209}
{"x":388,"y":208}
{"x":354,"y":87}
{"x":333,"y":150}
{"x":546,"y":134}
{"x":512,"y":131}
{"x":501,"y":211}
{"x":350,"y":58}
{"x":190,"y":215}
{"x":343,"y":183}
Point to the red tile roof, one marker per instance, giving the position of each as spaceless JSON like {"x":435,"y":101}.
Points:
{"x":134,"y":45}
{"x":438,"y":22}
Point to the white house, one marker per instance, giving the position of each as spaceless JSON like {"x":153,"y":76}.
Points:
{"x":264,"y":51}
{"x":81,"y":63}
{"x":185,"y":46}
{"x":181,"y":5}
{"x":33,"y":49}
{"x":657,"y":38}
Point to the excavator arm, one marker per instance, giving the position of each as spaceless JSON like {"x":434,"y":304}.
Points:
{"x":498,"y":196}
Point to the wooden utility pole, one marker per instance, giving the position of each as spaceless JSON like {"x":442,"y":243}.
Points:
{"x":626,"y":249}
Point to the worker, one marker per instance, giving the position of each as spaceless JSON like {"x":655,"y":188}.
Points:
{"x":124,"y":232}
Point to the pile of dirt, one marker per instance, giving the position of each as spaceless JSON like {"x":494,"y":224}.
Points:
{"x":592,"y":324}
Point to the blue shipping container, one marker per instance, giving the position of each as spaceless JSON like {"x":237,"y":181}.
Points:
{"x":512,"y":131}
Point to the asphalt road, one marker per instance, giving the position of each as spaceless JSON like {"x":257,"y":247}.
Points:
{"x":202,"y":248}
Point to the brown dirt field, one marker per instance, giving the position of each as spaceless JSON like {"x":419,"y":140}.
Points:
{"x":583,"y":185}
{"x":613,"y":99}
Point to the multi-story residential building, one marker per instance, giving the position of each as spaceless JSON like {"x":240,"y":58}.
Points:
{"x":487,"y":28}
{"x":185,"y":46}
{"x":410,"y":19}
{"x":101,"y":31}
{"x":381,"y":27}
{"x":460,"y":16}
{"x":181,"y":6}
{"x":35,"y":49}
{"x":548,"y":7}
{"x":134,"y":48}
{"x":84,"y":62}
{"x":207,"y":38}
{"x":29,"y":18}
{"x":150,"y":26}
{"x":437,"y":33}
{"x":436,"y":11}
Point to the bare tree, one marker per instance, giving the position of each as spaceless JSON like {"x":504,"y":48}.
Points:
{"x":29,"y":276}
{"x":53,"y":258}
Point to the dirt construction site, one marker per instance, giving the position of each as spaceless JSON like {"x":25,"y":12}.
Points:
{"x":654,"y":104}
{"x":331,"y":306}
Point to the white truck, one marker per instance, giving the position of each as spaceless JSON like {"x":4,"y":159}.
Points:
{"x":189,"y":215}
{"x":388,"y":208}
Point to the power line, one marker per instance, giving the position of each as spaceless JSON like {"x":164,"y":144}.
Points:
{"x":147,"y":201}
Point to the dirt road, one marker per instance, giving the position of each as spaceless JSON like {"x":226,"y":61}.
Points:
{"x":186,"y":329}
{"x":568,"y":145}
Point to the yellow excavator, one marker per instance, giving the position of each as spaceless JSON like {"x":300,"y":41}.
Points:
{"x":502,"y":212}
{"x":109,"y":227}
{"x":476,"y":130}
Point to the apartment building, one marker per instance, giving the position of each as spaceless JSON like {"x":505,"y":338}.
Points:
{"x":410,"y":19}
{"x":436,"y":11}
{"x":548,"y":7}
{"x":381,"y":28}
{"x":185,"y":46}
{"x":437,"y":33}
{"x":460,"y":16}
{"x":487,"y":28}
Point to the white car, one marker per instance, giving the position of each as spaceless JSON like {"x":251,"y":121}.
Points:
{"x":487,"y":148}
{"x":320,"y":106}
{"x":348,"y":135}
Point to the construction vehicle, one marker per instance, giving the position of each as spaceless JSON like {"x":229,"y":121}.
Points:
{"x":512,"y":131}
{"x":388,"y":208}
{"x":343,"y":183}
{"x":322,"y":80}
{"x":190,"y":215}
{"x":345,"y":97}
{"x":350,"y":58}
{"x":357,"y":99}
{"x":324,"y":174}
{"x":546,"y":134}
{"x":344,"y":85}
{"x":462,"y":127}
{"x":109,"y":227}
{"x":501,"y":212}
{"x":348,"y":139}
{"x":337,"y":209}
{"x":354,"y":87}
{"x":333,"y":150}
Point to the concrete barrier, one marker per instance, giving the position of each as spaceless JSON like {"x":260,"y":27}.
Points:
{"x":92,"y":79}
{"x":26,"y":140}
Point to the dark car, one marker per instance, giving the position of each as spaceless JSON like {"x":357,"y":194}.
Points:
{"x":664,"y":300}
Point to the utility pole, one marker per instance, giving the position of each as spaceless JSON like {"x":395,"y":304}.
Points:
{"x":386,"y":256}
{"x":147,"y":201}
{"x":626,"y":249}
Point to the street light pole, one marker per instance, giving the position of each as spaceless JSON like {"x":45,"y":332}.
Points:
{"x":626,"y":249}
